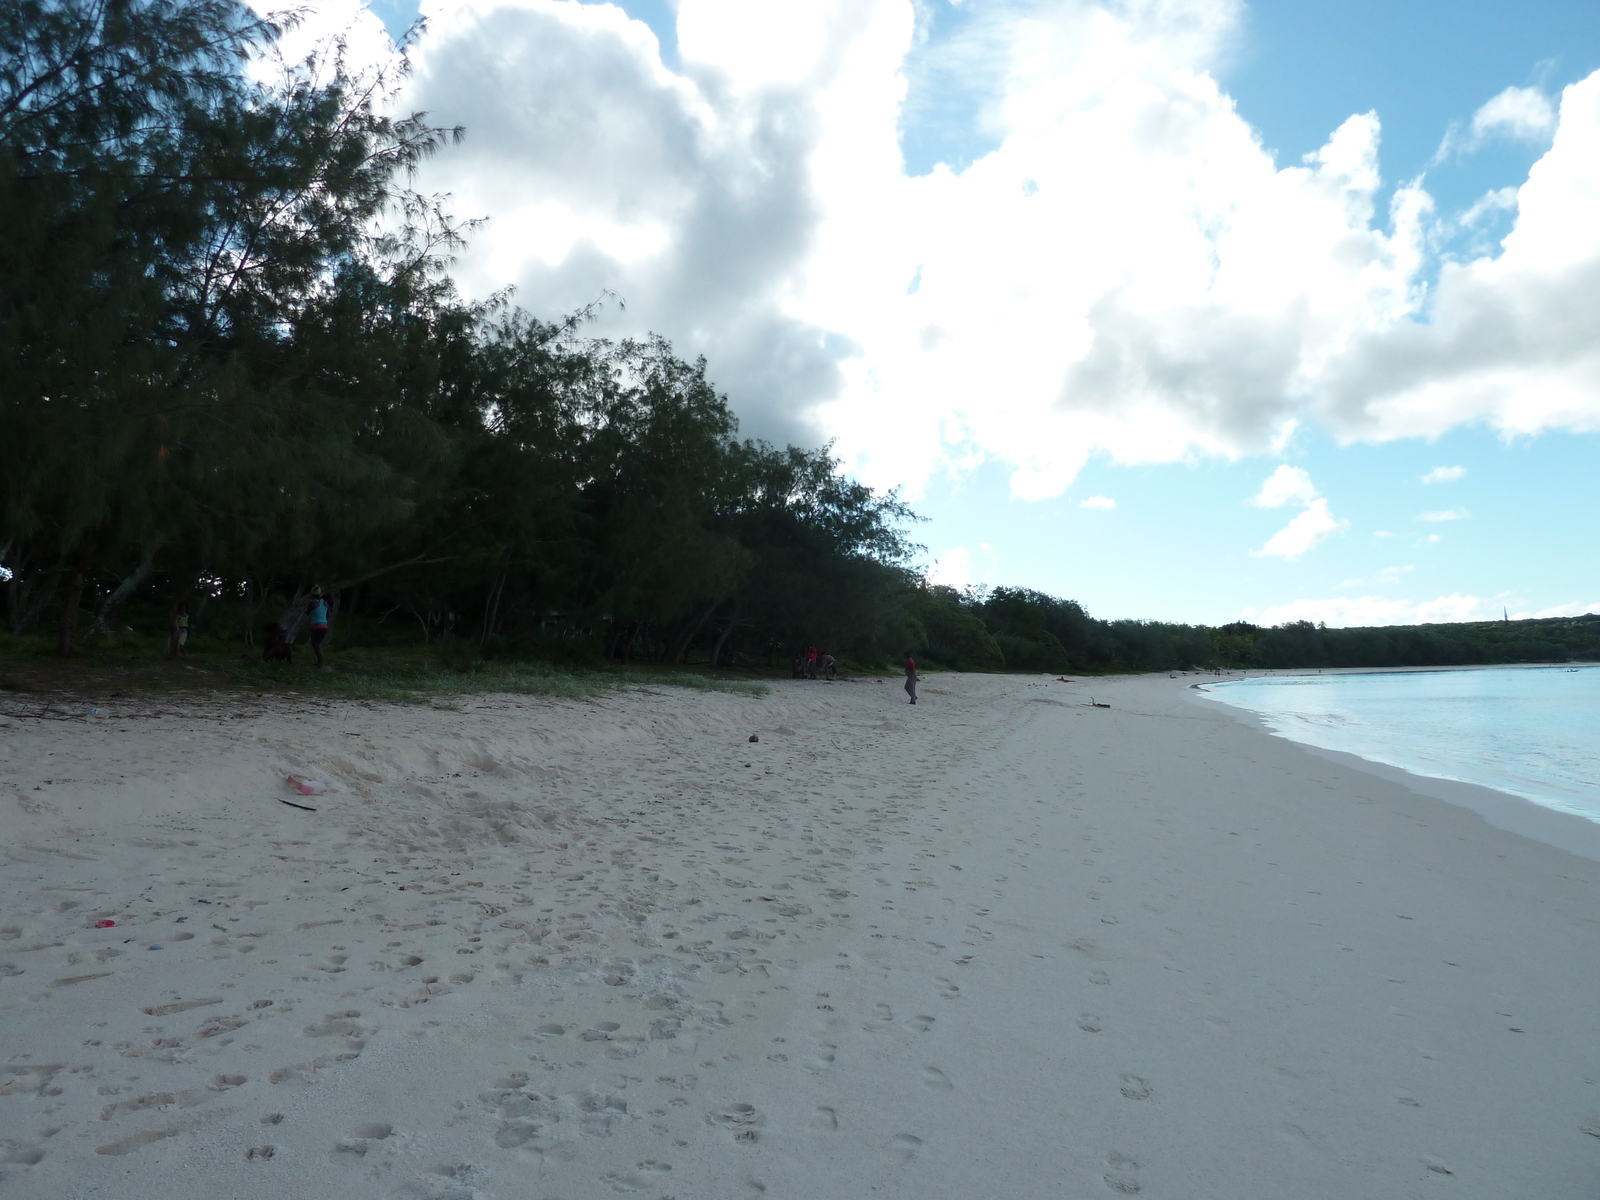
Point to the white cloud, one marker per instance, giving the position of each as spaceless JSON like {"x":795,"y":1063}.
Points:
{"x":1163,"y":287}
{"x":1341,"y":611}
{"x":1498,"y":200}
{"x":1388,"y":575}
{"x":1522,"y":113}
{"x":1098,"y":502}
{"x":1292,"y":485}
{"x":953,"y":569}
{"x":1559,"y":610}
{"x":1503,"y":339}
{"x":1286,"y":485}
{"x":1314,"y":525}
{"x":1444,"y":475}
{"x":1445,"y":514}
{"x":317,"y":27}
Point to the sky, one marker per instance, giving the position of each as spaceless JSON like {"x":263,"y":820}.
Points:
{"x":1192,"y":310}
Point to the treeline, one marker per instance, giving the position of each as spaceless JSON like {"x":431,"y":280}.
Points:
{"x":1025,"y":630}
{"x":237,"y":368}
{"x":1021,"y":629}
{"x":1302,"y":644}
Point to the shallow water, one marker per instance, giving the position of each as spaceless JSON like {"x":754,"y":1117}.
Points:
{"x":1533,"y":732}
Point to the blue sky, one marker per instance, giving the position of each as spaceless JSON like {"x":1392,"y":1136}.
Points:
{"x":1013,"y":256}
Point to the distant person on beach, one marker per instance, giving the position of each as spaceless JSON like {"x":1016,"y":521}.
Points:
{"x":911,"y":677}
{"x":830,"y":668}
{"x":811,"y":662}
{"x":319,"y":625}
{"x":180,"y":630}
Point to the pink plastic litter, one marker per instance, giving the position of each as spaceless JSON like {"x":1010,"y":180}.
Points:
{"x":104,"y":924}
{"x":307,"y":787}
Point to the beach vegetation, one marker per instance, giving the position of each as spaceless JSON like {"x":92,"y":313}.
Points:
{"x":238,"y":370}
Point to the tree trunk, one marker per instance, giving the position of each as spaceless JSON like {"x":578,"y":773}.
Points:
{"x":102,"y":620}
{"x":716,"y":651}
{"x":680,"y":645}
{"x":491,"y":606}
{"x":251,"y":591}
{"x":67,"y":633}
{"x":30,"y":594}
{"x":631,"y":637}
{"x":294,"y":613}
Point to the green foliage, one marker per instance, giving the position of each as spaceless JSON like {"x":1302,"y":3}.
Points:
{"x":953,"y":634}
{"x":1042,"y":633}
{"x":1302,"y":644}
{"x":237,"y":367}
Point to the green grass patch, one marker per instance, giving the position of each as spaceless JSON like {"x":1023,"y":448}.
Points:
{"x":410,"y":676}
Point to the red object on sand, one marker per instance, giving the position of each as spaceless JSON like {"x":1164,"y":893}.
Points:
{"x":307,"y":787}
{"x":104,"y":924}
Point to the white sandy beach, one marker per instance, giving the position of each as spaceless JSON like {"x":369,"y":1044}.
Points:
{"x":1001,"y":944}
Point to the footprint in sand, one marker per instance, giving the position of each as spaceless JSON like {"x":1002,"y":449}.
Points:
{"x":1120,"y":1178}
{"x":129,"y":1144}
{"x":905,"y":1145}
{"x":1089,"y":1023}
{"x":642,"y":1178}
{"x":920,"y":1024}
{"x":1134,"y":1088}
{"x":937,"y":1080}
{"x":742,"y":1120}
{"x":819,"y":1062}
{"x":825,"y":1120}
{"x":947,"y":989}
{"x":882,"y":1019}
{"x":336,"y":1024}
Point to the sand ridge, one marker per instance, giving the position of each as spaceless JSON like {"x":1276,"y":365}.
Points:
{"x":999,"y":944}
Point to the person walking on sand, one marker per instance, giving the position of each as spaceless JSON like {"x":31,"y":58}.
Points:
{"x":911,"y":677}
{"x":319,"y":625}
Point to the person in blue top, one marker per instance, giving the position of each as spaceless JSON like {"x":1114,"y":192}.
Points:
{"x":319,"y":624}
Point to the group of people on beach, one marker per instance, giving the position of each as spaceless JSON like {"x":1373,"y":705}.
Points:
{"x":811,"y":663}
{"x":279,"y":644}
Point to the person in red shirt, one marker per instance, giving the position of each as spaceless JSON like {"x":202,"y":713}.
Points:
{"x":911,"y":677}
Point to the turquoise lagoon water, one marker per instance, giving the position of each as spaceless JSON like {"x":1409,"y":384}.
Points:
{"x":1533,"y":732}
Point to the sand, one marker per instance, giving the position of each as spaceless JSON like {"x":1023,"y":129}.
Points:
{"x":1002,"y":944}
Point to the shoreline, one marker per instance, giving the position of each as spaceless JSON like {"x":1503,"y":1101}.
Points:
{"x":1002,"y":943}
{"x":1504,"y":810}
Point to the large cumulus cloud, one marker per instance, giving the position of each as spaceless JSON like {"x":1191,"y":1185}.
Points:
{"x":689,"y":196}
{"x":1127,"y":272}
